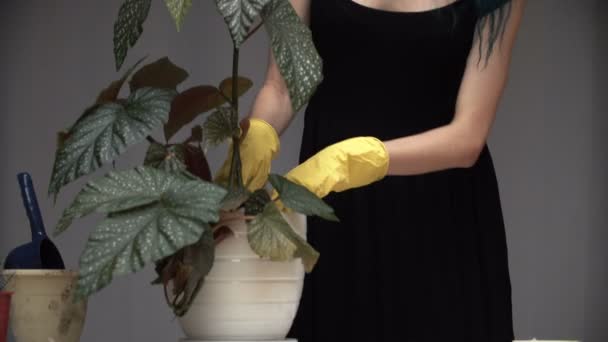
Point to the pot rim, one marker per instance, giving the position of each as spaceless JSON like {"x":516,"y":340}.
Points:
{"x":39,"y":272}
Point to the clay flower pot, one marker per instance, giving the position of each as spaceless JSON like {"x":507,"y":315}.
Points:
{"x":5,"y":306}
{"x":244,"y":297}
{"x":42,"y":307}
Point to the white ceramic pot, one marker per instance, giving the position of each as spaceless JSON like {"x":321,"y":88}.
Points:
{"x":246,"y":298}
{"x":42,"y":308}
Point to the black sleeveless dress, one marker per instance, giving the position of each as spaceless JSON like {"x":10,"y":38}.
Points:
{"x":418,"y":258}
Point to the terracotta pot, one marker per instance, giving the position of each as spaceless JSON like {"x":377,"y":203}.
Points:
{"x":5,"y":306}
{"x":42,"y":306}
{"x":244,"y":297}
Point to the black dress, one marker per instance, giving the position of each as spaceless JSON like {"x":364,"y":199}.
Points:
{"x":418,"y":258}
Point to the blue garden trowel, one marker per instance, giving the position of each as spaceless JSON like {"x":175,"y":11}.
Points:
{"x":41,"y":253}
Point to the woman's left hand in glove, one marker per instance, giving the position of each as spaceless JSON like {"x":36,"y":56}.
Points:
{"x":350,"y":163}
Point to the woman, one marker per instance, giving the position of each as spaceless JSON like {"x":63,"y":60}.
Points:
{"x":409,"y":95}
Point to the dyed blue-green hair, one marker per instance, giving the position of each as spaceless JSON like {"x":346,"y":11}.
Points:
{"x":494,"y":13}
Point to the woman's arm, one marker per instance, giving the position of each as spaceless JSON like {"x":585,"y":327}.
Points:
{"x":459,"y":143}
{"x":272,"y":103}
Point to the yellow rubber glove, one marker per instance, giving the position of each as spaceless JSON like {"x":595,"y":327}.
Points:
{"x":259,"y":146}
{"x":348,"y":164}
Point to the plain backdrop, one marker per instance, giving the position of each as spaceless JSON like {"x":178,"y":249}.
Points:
{"x":548,"y":144}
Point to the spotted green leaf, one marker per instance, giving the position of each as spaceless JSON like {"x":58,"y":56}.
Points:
{"x":162,"y":213}
{"x":300,"y":199}
{"x":116,"y":192}
{"x":128,"y":27}
{"x":178,"y":10}
{"x":107,"y":131}
{"x":169,"y":158}
{"x":294,"y":51}
{"x":271,"y":236}
{"x":239,"y":15}
{"x":220,"y":125}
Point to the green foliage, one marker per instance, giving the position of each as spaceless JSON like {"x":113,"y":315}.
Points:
{"x":256,"y":202}
{"x":152,"y":214}
{"x":219,"y":126}
{"x":178,"y":10}
{"x":294,"y":51}
{"x":129,"y":27}
{"x":162,"y":212}
{"x":236,"y":197}
{"x":271,"y":236}
{"x":301,"y":199}
{"x":189,"y":104}
{"x":239,"y":15}
{"x":168,"y":158}
{"x":107,"y":131}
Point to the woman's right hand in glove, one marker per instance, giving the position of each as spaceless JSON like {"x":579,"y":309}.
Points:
{"x":260,"y":145}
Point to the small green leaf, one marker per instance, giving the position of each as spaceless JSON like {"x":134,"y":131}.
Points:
{"x":129,"y":27}
{"x":235,"y":198}
{"x":271,"y":236}
{"x":107,"y":132}
{"x":168,"y":158}
{"x":179,"y":158}
{"x":176,"y":216}
{"x":178,"y":10}
{"x":220,"y":125}
{"x":239,"y":15}
{"x":294,"y":51}
{"x":159,"y":74}
{"x":300,"y":199}
{"x":256,"y":202}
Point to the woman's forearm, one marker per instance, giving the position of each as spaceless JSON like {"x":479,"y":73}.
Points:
{"x":272,"y":104}
{"x":444,"y":147}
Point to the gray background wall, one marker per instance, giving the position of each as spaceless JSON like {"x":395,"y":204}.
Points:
{"x":548,"y":144}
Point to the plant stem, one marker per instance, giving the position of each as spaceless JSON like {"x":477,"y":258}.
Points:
{"x":235,"y":163}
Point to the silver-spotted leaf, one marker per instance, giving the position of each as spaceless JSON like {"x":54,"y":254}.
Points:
{"x":300,"y":199}
{"x":294,"y":51}
{"x":271,"y":236}
{"x":107,"y":131}
{"x":239,"y":15}
{"x":118,"y":191}
{"x":220,"y":125}
{"x":168,"y":158}
{"x":127,"y":240}
{"x":128,"y":27}
{"x":178,"y":10}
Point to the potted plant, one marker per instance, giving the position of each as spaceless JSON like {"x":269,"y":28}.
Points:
{"x":169,"y":212}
